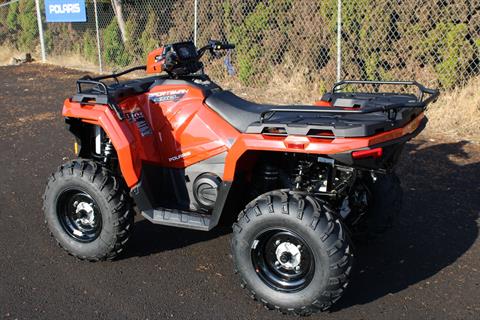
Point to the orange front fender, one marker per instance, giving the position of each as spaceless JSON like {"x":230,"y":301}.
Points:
{"x":117,"y":130}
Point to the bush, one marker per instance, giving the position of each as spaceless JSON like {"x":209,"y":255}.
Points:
{"x":248,"y":37}
{"x":447,"y":49}
{"x":28,"y":25}
{"x":89,"y":48}
{"x":148,"y":39}
{"x":12,"y":17}
{"x":48,"y":38}
{"x":114,"y":52}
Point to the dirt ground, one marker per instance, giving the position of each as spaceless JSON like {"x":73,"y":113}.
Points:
{"x":427,"y":267}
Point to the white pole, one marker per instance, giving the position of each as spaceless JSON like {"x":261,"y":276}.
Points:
{"x":195,"y":23}
{"x":100,"y":65}
{"x":339,"y":41}
{"x":40,"y":31}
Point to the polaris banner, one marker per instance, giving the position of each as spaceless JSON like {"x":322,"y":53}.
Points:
{"x":65,"y":11}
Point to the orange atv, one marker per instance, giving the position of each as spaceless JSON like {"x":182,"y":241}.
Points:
{"x":303,"y":180}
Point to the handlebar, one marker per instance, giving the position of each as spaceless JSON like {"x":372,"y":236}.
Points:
{"x":218,"y":45}
{"x":227,"y":46}
{"x":215,"y":45}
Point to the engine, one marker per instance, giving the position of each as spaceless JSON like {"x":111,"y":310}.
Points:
{"x":310,"y":173}
{"x":340,"y":187}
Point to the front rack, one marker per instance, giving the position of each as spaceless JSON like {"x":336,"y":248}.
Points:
{"x":390,"y":109}
{"x":98,"y":90}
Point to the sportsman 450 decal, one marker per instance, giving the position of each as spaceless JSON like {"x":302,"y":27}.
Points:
{"x":171,"y":95}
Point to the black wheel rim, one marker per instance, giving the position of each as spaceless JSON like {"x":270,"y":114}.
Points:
{"x":79,"y":215}
{"x":283,"y":260}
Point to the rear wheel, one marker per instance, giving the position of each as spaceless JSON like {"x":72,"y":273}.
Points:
{"x":88,"y":211}
{"x":291,"y":253}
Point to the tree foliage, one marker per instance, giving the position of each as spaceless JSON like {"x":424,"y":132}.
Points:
{"x":114,"y":50}
{"x":280,"y":38}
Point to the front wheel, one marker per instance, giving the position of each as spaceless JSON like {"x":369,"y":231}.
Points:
{"x":291,"y":253}
{"x":87,"y":210}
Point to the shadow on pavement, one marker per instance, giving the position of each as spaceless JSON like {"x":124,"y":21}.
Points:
{"x":437,"y":226}
{"x":438,"y":223}
{"x":149,"y":238}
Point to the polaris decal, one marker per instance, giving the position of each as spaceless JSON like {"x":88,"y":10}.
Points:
{"x":180,"y":156}
{"x":139,"y":119}
{"x":64,"y":8}
{"x":171,"y":95}
{"x":65,"y":11}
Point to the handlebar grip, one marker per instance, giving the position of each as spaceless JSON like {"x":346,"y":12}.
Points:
{"x":216,"y":45}
{"x":430,"y":91}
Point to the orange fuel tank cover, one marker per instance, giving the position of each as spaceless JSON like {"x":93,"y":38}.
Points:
{"x":155,"y":61}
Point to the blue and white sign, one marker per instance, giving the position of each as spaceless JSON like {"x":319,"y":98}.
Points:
{"x":65,"y":11}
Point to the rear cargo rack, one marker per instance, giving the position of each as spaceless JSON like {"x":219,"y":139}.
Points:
{"x":422,"y":90}
{"x":98,"y":92}
{"x":391,"y":109}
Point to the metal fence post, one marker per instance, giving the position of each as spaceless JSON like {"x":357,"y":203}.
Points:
{"x":40,"y":31}
{"x":339,"y":40}
{"x":100,"y":64}
{"x":195,"y":10}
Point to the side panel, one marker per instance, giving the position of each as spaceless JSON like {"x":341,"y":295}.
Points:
{"x":187,"y":132}
{"x":177,"y":188}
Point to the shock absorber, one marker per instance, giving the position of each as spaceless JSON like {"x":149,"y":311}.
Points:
{"x":270,"y":177}
{"x":97,"y":132}
{"x":107,"y":150}
{"x":103,"y":147}
{"x":302,"y":169}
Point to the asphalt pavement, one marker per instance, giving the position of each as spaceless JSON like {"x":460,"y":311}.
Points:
{"x":426,"y":267}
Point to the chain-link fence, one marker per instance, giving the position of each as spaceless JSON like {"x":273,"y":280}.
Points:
{"x":18,"y":26}
{"x":304,"y":44}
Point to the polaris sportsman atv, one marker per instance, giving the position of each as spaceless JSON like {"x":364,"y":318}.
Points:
{"x":303,"y":180}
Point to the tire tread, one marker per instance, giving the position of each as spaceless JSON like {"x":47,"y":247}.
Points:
{"x":109,"y":186}
{"x":341,"y":257}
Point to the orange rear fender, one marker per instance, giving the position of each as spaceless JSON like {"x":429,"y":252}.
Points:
{"x":303,"y":144}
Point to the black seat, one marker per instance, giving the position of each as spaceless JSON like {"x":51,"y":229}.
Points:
{"x":238,"y":112}
{"x":119,"y":91}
